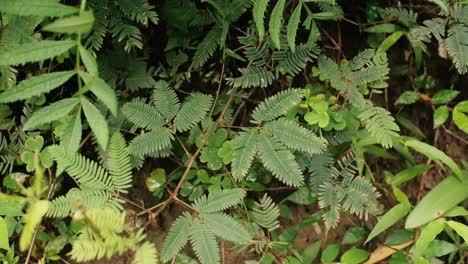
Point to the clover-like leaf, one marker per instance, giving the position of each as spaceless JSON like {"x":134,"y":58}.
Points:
{"x":209,"y":155}
{"x":226,"y":151}
{"x":34,"y":144}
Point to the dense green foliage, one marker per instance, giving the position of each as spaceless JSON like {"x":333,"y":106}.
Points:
{"x":255,"y":111}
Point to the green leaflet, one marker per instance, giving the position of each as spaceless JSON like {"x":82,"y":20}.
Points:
{"x":35,"y":86}
{"x":389,"y":219}
{"x":390,"y":41}
{"x":277,"y":105}
{"x":177,"y":237}
{"x":293,"y":25}
{"x":204,"y":243}
{"x":42,"y":8}
{"x":226,"y":228}
{"x":193,"y":110}
{"x":276,"y":22}
{"x":461,"y":229}
{"x":438,"y":201}
{"x":151,"y":142}
{"x":428,"y":234}
{"x":243,"y":154}
{"x":409,"y":173}
{"x":50,"y":113}
{"x":118,"y":163}
{"x":279,"y":160}
{"x":75,"y":24}
{"x":258,"y":13}
{"x":165,"y":100}
{"x":32,"y":219}
{"x":72,"y":134}
{"x":441,"y":114}
{"x":219,"y":201}
{"x":34,"y":51}
{"x":266,"y":213}
{"x":142,"y":115}
{"x":97,"y":122}
{"x":89,"y":60}
{"x":102,"y":91}
{"x":435,"y":154}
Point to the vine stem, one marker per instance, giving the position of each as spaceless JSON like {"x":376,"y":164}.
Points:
{"x":173,"y":197}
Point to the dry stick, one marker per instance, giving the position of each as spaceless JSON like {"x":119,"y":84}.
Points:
{"x":192,"y":159}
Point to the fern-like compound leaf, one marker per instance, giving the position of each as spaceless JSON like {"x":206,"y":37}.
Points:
{"x":277,"y":105}
{"x":118,"y":163}
{"x":207,"y":47}
{"x":243,"y":154}
{"x":219,"y":201}
{"x":165,"y":100}
{"x":276,"y":22}
{"x":252,"y":77}
{"x":321,"y":170}
{"x":41,"y":8}
{"x":457,"y":46}
{"x":139,"y":11}
{"x":146,"y":254}
{"x":142,"y":114}
{"x":204,"y":242}
{"x":258,"y":12}
{"x":266,"y":213}
{"x":329,"y":199}
{"x":279,"y":160}
{"x":34,"y":51}
{"x":156,"y":140}
{"x":293,"y":26}
{"x":177,"y":237}
{"x":50,"y":113}
{"x":295,"y":137}
{"x":295,"y":62}
{"x":35,"y":86}
{"x":380,"y":124}
{"x":226,"y":228}
{"x":193,"y":110}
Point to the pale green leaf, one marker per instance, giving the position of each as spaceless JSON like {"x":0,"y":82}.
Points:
{"x":34,"y":51}
{"x":50,"y":113}
{"x":243,"y":154}
{"x":409,"y":173}
{"x":330,"y":253}
{"x":390,"y":41}
{"x":276,"y":22}
{"x":35,"y":86}
{"x":227,"y":228}
{"x":97,"y":122}
{"x":408,"y":97}
{"x":4,"y":235}
{"x":444,"y":96}
{"x":177,"y":237}
{"x":75,"y":24}
{"x":32,"y":219}
{"x":219,"y":201}
{"x":393,"y":215}
{"x":461,"y":229}
{"x":460,"y":117}
{"x":44,"y":8}
{"x":293,"y":26}
{"x":428,"y":234}
{"x":204,"y":243}
{"x":354,"y":256}
{"x":441,"y":114}
{"x":258,"y":15}
{"x":89,"y":60}
{"x":102,"y":90}
{"x":72,"y":135}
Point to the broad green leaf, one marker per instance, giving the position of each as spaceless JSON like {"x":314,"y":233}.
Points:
{"x":4,"y":235}
{"x":97,"y":122}
{"x":390,"y":40}
{"x":435,"y":154}
{"x":50,"y":113}
{"x":438,"y":201}
{"x":75,"y":24}
{"x":408,"y":97}
{"x":11,"y":208}
{"x":258,"y":15}
{"x":398,"y":257}
{"x":302,"y":196}
{"x":456,"y":211}
{"x":177,"y":237}
{"x":330,"y":253}
{"x":89,"y":60}
{"x":460,"y":117}
{"x":102,"y":91}
{"x":383,"y":28}
{"x":393,"y":215}
{"x":293,"y":26}
{"x":354,"y":256}
{"x":35,"y":86}
{"x":32,"y":219}
{"x":398,"y":237}
{"x":34,"y":51}
{"x":311,"y":252}
{"x":353,"y":235}
{"x":461,"y":229}
{"x":444,"y":96}
{"x":41,"y":8}
{"x":438,"y":248}
{"x":276,"y":22}
{"x":441,"y":114}
{"x":409,"y":173}
{"x":72,"y":135}
{"x":428,"y":234}
{"x":408,"y":124}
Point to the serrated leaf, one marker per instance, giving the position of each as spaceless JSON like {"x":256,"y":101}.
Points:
{"x":50,"y":113}
{"x":444,"y":96}
{"x":227,"y":228}
{"x":243,"y":154}
{"x":276,"y":22}
{"x":34,"y":51}
{"x":75,"y":24}
{"x":219,"y":201}
{"x":204,"y":243}
{"x":441,"y":114}
{"x":89,"y":60}
{"x":42,"y":8}
{"x":102,"y":91}
{"x":293,"y":26}
{"x":35,"y":86}
{"x":177,"y":237}
{"x":258,"y":13}
{"x":435,"y":154}
{"x":97,"y":122}
{"x":72,"y":135}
